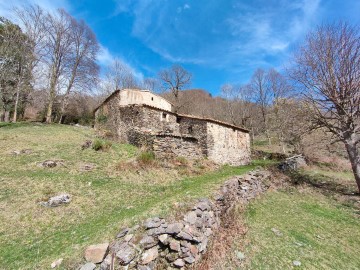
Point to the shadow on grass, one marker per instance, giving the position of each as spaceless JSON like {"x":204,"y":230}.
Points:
{"x":324,"y":183}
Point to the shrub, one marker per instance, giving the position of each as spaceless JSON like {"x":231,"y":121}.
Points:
{"x":146,"y":157}
{"x":101,"y":145}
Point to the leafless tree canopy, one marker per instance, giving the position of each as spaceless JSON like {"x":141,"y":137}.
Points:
{"x":327,"y":67}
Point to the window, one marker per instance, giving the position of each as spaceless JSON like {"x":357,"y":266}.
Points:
{"x":190,"y":129}
{"x":178,"y":119}
{"x":163,"y":116}
{"x":152,"y":98}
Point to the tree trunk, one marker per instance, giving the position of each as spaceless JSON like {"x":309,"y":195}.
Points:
{"x":62,"y":109}
{"x":7,"y":116}
{"x":354,"y":156}
{"x":16,"y":103}
{"x":52,"y":94}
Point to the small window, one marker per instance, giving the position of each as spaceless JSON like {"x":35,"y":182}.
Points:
{"x":178,"y":119}
{"x":163,"y":116}
{"x":190,"y":130}
{"x":152,"y":98}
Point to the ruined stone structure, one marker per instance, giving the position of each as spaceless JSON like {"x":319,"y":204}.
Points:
{"x":144,"y":119}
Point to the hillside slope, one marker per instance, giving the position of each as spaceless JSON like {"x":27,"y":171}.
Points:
{"x":104,"y":199}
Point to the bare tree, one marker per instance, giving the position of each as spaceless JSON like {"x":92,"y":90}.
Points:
{"x":174,"y":80}
{"x":327,"y":66}
{"x":81,"y":70}
{"x":259,"y":85}
{"x":118,"y":76}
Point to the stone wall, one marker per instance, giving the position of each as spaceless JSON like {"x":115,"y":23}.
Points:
{"x":161,"y":244}
{"x":174,"y":146}
{"x":227,"y":145}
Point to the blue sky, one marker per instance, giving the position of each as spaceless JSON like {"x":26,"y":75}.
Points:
{"x":217,"y":41}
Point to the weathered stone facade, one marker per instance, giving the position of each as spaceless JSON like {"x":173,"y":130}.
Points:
{"x":137,"y":121}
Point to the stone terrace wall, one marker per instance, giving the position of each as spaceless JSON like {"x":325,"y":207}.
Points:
{"x":160,"y":244}
{"x":227,"y":145}
{"x":171,"y":147}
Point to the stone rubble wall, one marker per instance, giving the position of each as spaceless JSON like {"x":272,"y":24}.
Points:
{"x":227,"y":145}
{"x":171,"y":147}
{"x":160,"y":244}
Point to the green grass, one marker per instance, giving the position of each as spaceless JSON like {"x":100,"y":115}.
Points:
{"x":316,"y":231}
{"x":103,"y":200}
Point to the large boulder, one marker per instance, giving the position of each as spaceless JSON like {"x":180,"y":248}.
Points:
{"x":96,"y":253}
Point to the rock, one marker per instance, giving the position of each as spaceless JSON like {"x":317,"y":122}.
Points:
{"x":151,"y":266}
{"x":56,"y":263}
{"x":174,"y":228}
{"x":51,"y":163}
{"x":57,"y":200}
{"x":189,"y":259}
{"x":240,"y":255}
{"x":203,"y":206}
{"x":149,"y":255}
{"x":190,"y":217}
{"x":128,"y":237}
{"x":87,"y":167}
{"x":96,"y":253}
{"x":106,"y":264}
{"x":174,"y":245}
{"x":148,"y":242}
{"x":86,"y":144}
{"x":164,"y":238}
{"x":153,"y":223}
{"x":296,"y":263}
{"x":276,"y":232}
{"x":172,"y":256}
{"x":179,"y":263}
{"x":194,"y":250}
{"x":122,"y":233}
{"x":88,"y":266}
{"x":125,"y":254}
{"x":185,"y":236}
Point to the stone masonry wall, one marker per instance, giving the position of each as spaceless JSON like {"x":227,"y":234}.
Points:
{"x":227,"y":145}
{"x":164,"y":244}
{"x":171,"y":147}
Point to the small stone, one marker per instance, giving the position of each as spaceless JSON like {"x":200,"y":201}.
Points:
{"x":276,"y":232}
{"x":179,"y":263}
{"x":185,"y":236}
{"x":240,"y":255}
{"x":204,"y":206}
{"x":149,"y":255}
{"x":296,"y":263}
{"x":194,"y":250}
{"x":56,"y":263}
{"x":106,"y":264}
{"x":125,"y":254}
{"x":57,"y":200}
{"x":88,"y":266}
{"x":148,"y":242}
{"x":49,"y":164}
{"x":128,"y":237}
{"x":172,"y":256}
{"x":189,"y":259}
{"x":174,"y":245}
{"x":96,"y":253}
{"x":122,"y":233}
{"x":164,"y":238}
{"x":174,"y":228}
{"x":190,"y":217}
{"x":153,"y":223}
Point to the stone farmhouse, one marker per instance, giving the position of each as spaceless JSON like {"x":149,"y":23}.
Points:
{"x":144,"y":119}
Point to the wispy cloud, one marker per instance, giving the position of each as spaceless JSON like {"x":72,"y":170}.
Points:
{"x":246,"y":33}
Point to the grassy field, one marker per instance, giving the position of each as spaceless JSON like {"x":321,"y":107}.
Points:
{"x":103,"y":200}
{"x":315,"y":231}
{"x":309,"y":223}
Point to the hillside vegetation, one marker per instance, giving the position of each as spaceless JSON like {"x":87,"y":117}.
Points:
{"x":104,"y":199}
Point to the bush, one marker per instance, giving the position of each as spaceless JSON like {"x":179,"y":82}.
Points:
{"x":101,"y":145}
{"x":147,"y":157}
